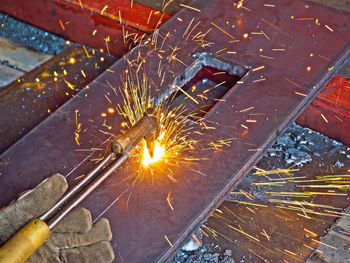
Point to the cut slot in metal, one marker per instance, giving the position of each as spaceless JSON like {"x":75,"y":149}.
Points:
{"x":203,"y":91}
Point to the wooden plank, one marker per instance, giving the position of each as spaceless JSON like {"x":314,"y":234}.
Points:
{"x":334,"y":247}
{"x":8,"y":75}
{"x":341,"y":4}
{"x":20,"y":57}
{"x":15,"y":61}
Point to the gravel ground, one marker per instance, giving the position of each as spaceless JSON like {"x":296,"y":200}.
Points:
{"x":29,"y":36}
{"x":207,"y":253}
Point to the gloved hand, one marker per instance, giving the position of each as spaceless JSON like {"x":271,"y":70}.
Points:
{"x":73,"y":240}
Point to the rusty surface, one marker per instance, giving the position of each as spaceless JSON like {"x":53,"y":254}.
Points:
{"x":30,"y":99}
{"x":334,"y":104}
{"x":273,"y":96}
{"x":172,"y":7}
{"x":93,"y":23}
{"x":337,"y":94}
{"x":279,"y":231}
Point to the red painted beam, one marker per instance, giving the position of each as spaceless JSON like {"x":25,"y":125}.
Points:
{"x":95,"y":23}
{"x":336,"y":95}
{"x":329,"y":113}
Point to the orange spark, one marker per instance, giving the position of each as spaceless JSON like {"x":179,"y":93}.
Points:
{"x":61,"y":24}
{"x":190,"y":7}
{"x":169,"y":202}
{"x":104,"y":9}
{"x":71,"y":60}
{"x":239,"y":5}
{"x":324,"y":118}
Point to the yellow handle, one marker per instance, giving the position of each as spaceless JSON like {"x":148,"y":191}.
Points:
{"x":25,"y":242}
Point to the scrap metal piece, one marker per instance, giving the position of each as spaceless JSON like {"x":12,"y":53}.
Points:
{"x":281,"y":81}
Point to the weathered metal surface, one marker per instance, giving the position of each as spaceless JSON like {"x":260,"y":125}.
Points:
{"x":261,"y":207}
{"x":171,"y":7}
{"x":94,"y":23}
{"x":329,"y":113}
{"x":30,"y":99}
{"x":273,"y":96}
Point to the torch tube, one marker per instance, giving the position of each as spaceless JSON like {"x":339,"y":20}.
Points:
{"x":87,"y":190}
{"x":77,"y":188}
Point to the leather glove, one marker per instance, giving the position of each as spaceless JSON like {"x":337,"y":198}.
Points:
{"x":75,"y":239}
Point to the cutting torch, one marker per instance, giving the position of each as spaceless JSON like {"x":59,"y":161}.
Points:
{"x":29,"y":238}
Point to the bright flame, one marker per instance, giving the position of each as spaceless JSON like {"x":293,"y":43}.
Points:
{"x":158,"y":153}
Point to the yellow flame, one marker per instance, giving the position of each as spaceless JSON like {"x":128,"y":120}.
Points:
{"x":158,"y":153}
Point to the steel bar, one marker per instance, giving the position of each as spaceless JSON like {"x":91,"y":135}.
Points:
{"x":290,"y":80}
{"x":94,"y":23}
{"x":31,"y":98}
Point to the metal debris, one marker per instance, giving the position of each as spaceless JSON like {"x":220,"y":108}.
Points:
{"x":298,"y":145}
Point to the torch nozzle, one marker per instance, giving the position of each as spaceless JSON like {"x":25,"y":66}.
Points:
{"x":147,"y":127}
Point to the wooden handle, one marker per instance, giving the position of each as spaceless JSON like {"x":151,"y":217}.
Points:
{"x":25,"y":242}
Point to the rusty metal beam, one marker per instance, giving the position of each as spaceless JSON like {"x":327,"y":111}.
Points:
{"x":31,"y":98}
{"x":276,"y":89}
{"x":97,"y":24}
{"x":330,"y":109}
{"x":286,"y":230}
